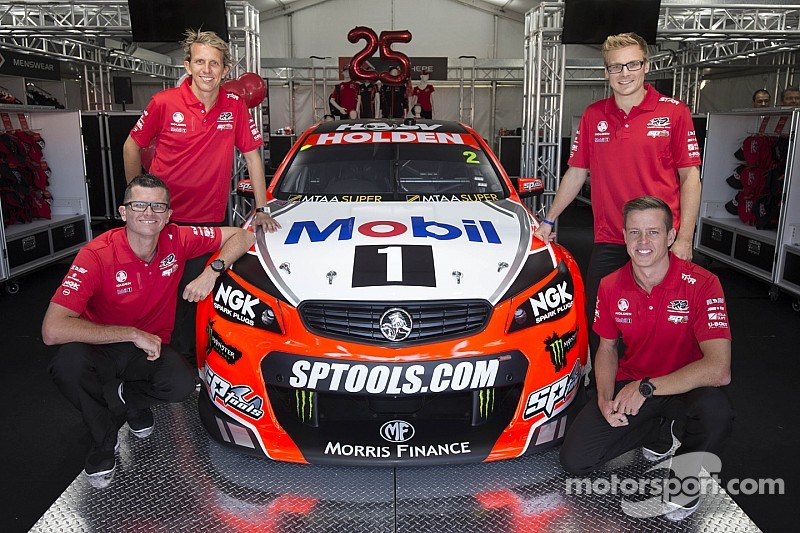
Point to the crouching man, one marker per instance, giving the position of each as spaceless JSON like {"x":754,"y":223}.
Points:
{"x":114,"y":312}
{"x":671,"y":316}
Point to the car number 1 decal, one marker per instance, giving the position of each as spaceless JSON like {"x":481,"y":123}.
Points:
{"x":393,"y":265}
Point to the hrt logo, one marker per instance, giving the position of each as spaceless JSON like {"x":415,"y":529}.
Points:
{"x":397,"y":431}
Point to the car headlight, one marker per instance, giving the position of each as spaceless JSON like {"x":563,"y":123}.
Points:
{"x":544,"y":304}
{"x":234,"y":302}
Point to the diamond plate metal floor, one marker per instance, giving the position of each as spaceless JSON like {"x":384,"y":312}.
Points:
{"x":179,"y":480}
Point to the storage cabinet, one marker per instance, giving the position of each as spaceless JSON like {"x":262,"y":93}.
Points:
{"x":28,"y":246}
{"x":772,"y":255}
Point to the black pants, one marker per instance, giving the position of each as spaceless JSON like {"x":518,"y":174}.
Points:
{"x":184,"y":334}
{"x":703,"y":421}
{"x":605,"y":259}
{"x":89,"y":374}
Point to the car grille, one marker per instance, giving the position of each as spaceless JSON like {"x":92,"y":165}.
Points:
{"x":360,"y":321}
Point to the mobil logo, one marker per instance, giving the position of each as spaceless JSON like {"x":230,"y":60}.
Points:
{"x":342,"y":229}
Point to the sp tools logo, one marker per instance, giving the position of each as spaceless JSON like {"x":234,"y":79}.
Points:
{"x":558,"y":347}
{"x":552,"y":398}
{"x":397,"y":431}
{"x":240,"y":397}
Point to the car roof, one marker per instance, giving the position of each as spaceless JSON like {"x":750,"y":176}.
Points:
{"x":441,"y":126}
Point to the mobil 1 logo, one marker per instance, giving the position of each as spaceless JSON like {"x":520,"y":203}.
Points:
{"x":393,"y":265}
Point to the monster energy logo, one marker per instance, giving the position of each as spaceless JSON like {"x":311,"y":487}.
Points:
{"x":304,"y":401}
{"x":558,"y":347}
{"x":485,"y":402}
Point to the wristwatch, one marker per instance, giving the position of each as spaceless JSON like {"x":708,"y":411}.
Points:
{"x":646,"y":388}
{"x":218,"y":265}
{"x":263,"y":209}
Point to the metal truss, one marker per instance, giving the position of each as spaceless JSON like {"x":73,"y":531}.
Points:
{"x":750,"y":35}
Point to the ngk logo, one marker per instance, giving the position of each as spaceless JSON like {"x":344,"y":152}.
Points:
{"x":551,"y":298}
{"x":236,"y":300}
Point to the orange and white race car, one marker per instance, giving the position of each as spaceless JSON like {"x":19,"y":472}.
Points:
{"x":403,"y":314}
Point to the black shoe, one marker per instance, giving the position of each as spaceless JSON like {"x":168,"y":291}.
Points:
{"x":661,"y":448}
{"x":101,"y":461}
{"x":140,"y":422}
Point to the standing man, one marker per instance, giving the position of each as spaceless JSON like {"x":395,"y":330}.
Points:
{"x":671,"y":315}
{"x":761,"y":98}
{"x":195,"y":127}
{"x":790,"y":97}
{"x":113,"y":316}
{"x":637,"y":142}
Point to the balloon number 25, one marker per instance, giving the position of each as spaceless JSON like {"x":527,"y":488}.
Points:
{"x":358,"y":71}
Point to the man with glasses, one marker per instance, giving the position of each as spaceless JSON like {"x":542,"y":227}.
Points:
{"x":114,"y":312}
{"x":637,"y":142}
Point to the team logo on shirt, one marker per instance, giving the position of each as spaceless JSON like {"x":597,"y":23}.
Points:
{"x":622,"y":304}
{"x":602,"y":126}
{"x":678,"y":319}
{"x":226,"y":116}
{"x":167,"y":261}
{"x":121,"y":276}
{"x":659,"y":122}
{"x":178,"y":117}
{"x":678,"y":306}
{"x":688,"y":279}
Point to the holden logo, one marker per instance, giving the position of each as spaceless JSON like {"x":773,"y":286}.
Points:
{"x":622,"y":304}
{"x":177,"y":116}
{"x":121,"y":276}
{"x":397,"y":431}
{"x":602,"y":126}
{"x":396,"y":324}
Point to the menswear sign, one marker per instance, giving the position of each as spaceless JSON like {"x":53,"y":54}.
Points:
{"x":29,"y":66}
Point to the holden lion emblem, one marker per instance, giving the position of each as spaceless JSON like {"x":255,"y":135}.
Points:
{"x":396,"y":324}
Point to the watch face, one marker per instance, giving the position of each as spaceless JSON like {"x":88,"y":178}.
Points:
{"x":217,"y":265}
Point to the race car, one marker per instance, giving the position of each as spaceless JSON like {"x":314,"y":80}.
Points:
{"x":403,"y":314}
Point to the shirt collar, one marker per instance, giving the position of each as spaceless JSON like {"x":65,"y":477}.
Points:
{"x":670,"y":281}
{"x":651,"y":97}
{"x":124,"y":253}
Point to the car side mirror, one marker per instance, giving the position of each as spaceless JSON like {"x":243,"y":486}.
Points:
{"x":528,"y":187}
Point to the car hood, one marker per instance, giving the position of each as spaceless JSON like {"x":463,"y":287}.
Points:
{"x":391,"y":251}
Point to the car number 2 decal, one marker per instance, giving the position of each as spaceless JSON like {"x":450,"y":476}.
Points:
{"x":393,"y":265}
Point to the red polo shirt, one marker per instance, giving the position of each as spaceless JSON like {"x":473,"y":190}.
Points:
{"x":661,"y":330}
{"x":194,"y":148}
{"x":346,"y":95}
{"x":424,"y":97}
{"x":107,"y":284}
{"x":633,"y":155}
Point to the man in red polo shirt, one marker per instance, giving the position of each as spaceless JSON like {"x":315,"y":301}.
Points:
{"x":113,"y":316}
{"x":671,"y":315}
{"x":637,"y":142}
{"x":195,"y":128}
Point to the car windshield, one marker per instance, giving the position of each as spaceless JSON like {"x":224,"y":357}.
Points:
{"x":391,"y":171}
